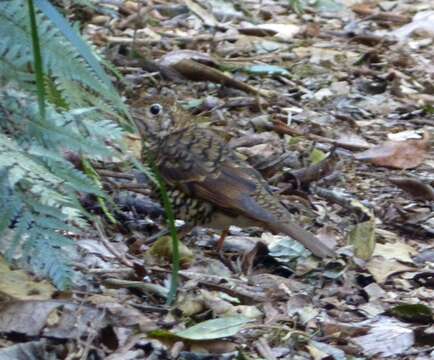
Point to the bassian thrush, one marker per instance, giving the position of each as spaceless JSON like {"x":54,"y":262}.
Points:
{"x":207,"y":182}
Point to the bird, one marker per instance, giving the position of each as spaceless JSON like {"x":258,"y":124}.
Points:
{"x":208,"y":183}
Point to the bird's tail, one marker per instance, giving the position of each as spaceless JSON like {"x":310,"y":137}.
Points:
{"x":309,"y":240}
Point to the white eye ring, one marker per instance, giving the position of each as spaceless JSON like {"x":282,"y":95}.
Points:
{"x":155,"y":109}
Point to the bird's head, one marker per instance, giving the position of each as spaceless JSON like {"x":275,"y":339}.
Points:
{"x":156,"y":117}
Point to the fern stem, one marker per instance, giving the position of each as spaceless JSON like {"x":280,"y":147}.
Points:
{"x":39,"y":72}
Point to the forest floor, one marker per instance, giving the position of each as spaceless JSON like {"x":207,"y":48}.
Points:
{"x":334,"y":105}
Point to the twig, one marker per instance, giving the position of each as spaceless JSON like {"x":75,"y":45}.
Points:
{"x":111,"y":248}
{"x":282,"y":128}
{"x":153,"y":288}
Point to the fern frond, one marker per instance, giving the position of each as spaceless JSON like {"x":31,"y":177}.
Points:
{"x":77,"y":82}
{"x":39,"y":207}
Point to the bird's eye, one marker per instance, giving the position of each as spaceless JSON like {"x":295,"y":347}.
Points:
{"x":155,"y":109}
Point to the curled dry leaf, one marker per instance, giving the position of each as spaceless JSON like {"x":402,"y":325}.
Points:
{"x":174,"y":57}
{"x":206,"y":16}
{"x":284,"y":32}
{"x":397,"y":154}
{"x":196,"y":66}
{"x":196,"y":71}
{"x":415,"y":187}
{"x":381,"y":268}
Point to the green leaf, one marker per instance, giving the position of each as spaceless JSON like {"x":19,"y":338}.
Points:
{"x":316,"y":156}
{"x":362,"y":237}
{"x":215,"y":328}
{"x":414,"y":313}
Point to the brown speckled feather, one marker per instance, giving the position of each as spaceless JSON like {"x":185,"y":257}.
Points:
{"x":198,"y":164}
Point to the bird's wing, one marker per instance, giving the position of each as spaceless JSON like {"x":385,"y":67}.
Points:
{"x":204,"y":167}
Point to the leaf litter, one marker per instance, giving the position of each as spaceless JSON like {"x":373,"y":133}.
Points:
{"x":329,"y":104}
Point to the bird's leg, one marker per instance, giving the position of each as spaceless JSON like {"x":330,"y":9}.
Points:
{"x":226,"y":261}
{"x":221,"y":240}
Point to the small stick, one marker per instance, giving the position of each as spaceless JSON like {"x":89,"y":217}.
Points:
{"x":111,"y":248}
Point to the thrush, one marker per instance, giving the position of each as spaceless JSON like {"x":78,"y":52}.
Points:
{"x":208,"y":183}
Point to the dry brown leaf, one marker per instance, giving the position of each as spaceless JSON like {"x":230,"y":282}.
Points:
{"x":174,"y":57}
{"x":18,"y":285}
{"x":397,"y":154}
{"x":397,"y":251}
{"x":415,"y":187}
{"x":285,"y":32}
{"x":196,"y":71}
{"x":26,"y":317}
{"x":382,"y":268}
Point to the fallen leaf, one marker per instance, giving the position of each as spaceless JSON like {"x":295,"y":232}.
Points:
{"x":18,"y":285}
{"x":362,"y":237}
{"x":352,"y":140}
{"x":174,"y":57}
{"x":398,"y":251}
{"x":301,"y":305}
{"x":316,"y":353}
{"x":214,"y":329}
{"x":413,"y":313}
{"x":205,"y":15}
{"x":162,"y":249}
{"x":26,"y":317}
{"x":196,"y":71}
{"x":320,"y":350}
{"x":38,"y":350}
{"x":283,"y":248}
{"x":372,"y":308}
{"x":265,"y":69}
{"x":404,"y":135}
{"x":415,"y":187}
{"x":214,"y":347}
{"x":327,"y":235}
{"x":382,"y":268}
{"x":387,"y":337}
{"x":283,"y":32}
{"x":397,"y":154}
{"x":316,"y":156}
{"x":374,"y":291}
